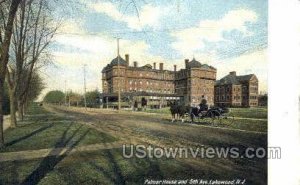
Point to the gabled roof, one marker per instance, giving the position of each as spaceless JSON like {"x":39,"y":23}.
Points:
{"x":233,"y":79}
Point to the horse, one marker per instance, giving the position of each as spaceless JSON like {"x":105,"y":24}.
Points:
{"x":179,"y":111}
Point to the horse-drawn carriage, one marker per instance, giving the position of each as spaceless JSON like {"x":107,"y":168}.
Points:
{"x":199,"y":113}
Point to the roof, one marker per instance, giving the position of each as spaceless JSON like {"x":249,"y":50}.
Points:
{"x":121,"y":61}
{"x":245,"y":77}
{"x":233,"y":79}
{"x":147,"y":66}
{"x":114,"y":62}
{"x":196,"y":64}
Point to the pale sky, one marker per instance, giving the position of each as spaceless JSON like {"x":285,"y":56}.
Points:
{"x":230,"y":36}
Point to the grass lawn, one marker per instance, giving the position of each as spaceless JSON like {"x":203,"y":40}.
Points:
{"x":242,"y":124}
{"x":43,"y":131}
{"x":259,"y":113}
{"x":109,"y":167}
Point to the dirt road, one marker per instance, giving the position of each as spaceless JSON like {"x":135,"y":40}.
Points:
{"x":149,"y":129}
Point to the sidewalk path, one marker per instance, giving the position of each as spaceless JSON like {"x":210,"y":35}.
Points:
{"x":35,"y":154}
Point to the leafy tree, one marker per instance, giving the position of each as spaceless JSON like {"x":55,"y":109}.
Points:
{"x":92,"y":98}
{"x":56,"y":97}
{"x":35,"y":88}
{"x":73,"y":98}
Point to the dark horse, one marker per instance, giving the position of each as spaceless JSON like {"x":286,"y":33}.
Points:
{"x":179,"y":111}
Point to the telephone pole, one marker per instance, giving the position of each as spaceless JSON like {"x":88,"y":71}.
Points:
{"x":119,"y":80}
{"x":65,"y":92}
{"x":84,"y":88}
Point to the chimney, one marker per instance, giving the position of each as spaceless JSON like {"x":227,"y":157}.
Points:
{"x":161,"y":66}
{"x":127,"y":59}
{"x":233,"y":73}
{"x":154,"y":65}
{"x":135,"y":64}
{"x":175,"y":68}
{"x":186,"y":62}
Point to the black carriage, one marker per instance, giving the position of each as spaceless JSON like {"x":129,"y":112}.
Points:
{"x":213,"y":113}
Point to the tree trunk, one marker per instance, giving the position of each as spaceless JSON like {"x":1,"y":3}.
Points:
{"x":13,"y":119}
{"x":23,"y":109}
{"x":20,"y":111}
{"x":4,"y":58}
{"x":1,"y":113}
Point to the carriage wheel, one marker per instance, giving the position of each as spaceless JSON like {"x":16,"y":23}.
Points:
{"x":220,"y":119}
{"x":219,"y":116}
{"x":212,"y":117}
{"x":192,"y":117}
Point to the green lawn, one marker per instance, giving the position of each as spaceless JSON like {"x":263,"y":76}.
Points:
{"x":165,"y":110}
{"x":109,"y":167}
{"x":259,"y":113}
{"x":242,"y":124}
{"x":48,"y":130}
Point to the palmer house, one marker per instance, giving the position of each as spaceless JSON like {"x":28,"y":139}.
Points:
{"x":157,"y":85}
{"x":189,"y":85}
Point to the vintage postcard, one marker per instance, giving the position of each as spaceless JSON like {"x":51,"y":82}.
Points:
{"x":134,"y":92}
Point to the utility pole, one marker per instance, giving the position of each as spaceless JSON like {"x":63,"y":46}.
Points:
{"x":84,"y":88}
{"x":65,"y":92}
{"x":119,"y":80}
{"x":99,"y":95}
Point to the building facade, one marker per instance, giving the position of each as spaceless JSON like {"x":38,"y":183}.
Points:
{"x":158,"y":85}
{"x":237,"y":91}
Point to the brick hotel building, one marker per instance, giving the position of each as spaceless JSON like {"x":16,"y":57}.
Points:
{"x":158,"y":85}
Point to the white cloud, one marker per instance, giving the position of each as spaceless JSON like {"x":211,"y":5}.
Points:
{"x":97,"y":52}
{"x":90,"y":43}
{"x":148,"y":15}
{"x":192,"y":39}
{"x":71,"y":27}
{"x":100,"y":50}
{"x":249,"y":63}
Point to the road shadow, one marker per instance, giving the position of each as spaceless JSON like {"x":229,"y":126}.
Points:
{"x":116,"y":170}
{"x":29,"y":135}
{"x":54,"y":157}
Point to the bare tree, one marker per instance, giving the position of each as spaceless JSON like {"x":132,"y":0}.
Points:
{"x":5,"y":41}
{"x":33,"y":32}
